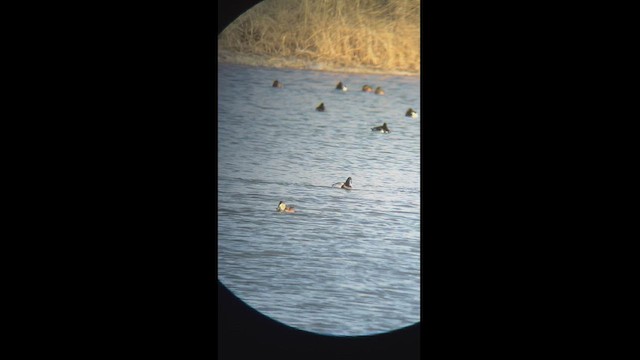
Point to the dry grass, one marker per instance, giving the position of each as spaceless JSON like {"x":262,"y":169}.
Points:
{"x":381,"y":35}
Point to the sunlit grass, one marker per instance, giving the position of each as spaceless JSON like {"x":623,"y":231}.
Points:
{"x":374,"y":34}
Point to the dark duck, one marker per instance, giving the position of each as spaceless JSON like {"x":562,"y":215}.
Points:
{"x":411,"y":113}
{"x":382,"y":129}
{"x":344,"y":185}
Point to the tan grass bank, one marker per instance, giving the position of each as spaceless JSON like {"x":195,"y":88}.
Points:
{"x":360,"y":36}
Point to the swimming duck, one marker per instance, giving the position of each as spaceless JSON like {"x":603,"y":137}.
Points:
{"x":278,"y":84}
{"x":341,"y":86}
{"x":411,"y":113}
{"x":344,"y":185}
{"x":320,"y":107}
{"x":282,"y":207}
{"x":367,"y":88}
{"x":382,"y":129}
{"x":379,"y":91}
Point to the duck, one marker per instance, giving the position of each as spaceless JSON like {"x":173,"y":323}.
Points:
{"x":411,"y":113}
{"x":343,"y":185}
{"x":320,"y":107}
{"x":367,"y":88}
{"x":341,"y":86}
{"x":278,"y":84}
{"x":382,"y":129}
{"x":379,"y":91}
{"x":282,"y":207}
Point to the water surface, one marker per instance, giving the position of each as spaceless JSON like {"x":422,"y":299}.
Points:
{"x":348,"y":261}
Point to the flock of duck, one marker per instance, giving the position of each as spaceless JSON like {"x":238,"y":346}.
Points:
{"x":284,"y":208}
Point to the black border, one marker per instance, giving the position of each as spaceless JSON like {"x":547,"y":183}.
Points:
{"x":127,"y":101}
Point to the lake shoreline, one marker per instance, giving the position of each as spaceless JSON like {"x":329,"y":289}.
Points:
{"x":237,"y":58}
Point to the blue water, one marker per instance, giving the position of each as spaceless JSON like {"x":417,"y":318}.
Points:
{"x":348,"y":261}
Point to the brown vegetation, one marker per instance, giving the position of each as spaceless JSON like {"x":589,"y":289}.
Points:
{"x":362,"y":35}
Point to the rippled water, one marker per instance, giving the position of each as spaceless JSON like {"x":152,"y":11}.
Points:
{"x":348,"y":261}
